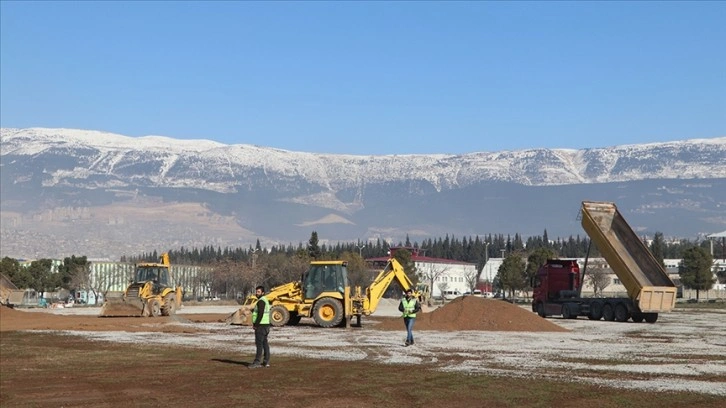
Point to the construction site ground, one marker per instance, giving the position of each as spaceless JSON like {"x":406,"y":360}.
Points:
{"x":471,"y":351}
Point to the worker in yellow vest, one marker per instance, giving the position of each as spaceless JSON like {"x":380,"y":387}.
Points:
{"x":261,"y":325}
{"x":409,"y":306}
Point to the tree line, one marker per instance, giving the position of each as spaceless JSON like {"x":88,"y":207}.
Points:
{"x":238,"y":270}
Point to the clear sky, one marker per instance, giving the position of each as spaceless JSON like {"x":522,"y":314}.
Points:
{"x":370,"y":77}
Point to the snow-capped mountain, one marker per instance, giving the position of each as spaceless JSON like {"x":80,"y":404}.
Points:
{"x":279,"y":194}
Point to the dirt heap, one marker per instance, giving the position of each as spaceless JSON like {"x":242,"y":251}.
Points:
{"x":13,"y":320}
{"x":475,"y":313}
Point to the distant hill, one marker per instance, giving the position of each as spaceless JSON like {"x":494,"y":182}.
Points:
{"x":66,"y":191}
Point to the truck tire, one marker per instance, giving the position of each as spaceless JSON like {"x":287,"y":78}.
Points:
{"x":621,"y":312}
{"x":541,"y":310}
{"x":567,"y":312}
{"x":608,"y":313}
{"x":651,"y":317}
{"x":637,"y":317}
{"x":328,"y":312}
{"x":279,"y":316}
{"x":595,"y":311}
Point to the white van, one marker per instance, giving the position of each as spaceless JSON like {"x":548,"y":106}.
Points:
{"x":451,"y":294}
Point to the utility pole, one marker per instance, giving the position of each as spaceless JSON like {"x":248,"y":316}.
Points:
{"x":360,"y":250}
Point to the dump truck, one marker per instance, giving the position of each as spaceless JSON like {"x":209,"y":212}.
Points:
{"x":151,"y":293}
{"x":558,"y":283}
{"x":325,"y":295}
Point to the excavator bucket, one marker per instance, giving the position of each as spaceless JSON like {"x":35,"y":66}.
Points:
{"x":243,"y":316}
{"x":120,"y":307}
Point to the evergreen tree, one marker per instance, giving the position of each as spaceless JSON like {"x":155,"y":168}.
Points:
{"x":695,"y":270}
{"x":657,"y":248}
{"x":314,"y":250}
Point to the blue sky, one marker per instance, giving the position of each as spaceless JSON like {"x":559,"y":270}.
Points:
{"x":370,"y":77}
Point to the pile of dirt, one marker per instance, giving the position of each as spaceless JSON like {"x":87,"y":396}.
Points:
{"x":475,"y":313}
{"x":13,"y":320}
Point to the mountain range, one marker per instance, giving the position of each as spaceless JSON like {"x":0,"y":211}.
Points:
{"x":68,"y":191}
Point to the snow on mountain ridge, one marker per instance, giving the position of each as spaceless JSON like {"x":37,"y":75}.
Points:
{"x":215,"y":166}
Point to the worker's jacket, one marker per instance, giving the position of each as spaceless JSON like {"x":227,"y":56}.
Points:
{"x":261,"y":314}
{"x":409,"y":307}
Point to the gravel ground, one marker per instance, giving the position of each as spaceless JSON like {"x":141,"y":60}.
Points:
{"x":683,"y":351}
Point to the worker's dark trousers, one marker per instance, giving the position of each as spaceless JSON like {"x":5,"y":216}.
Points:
{"x":261,"y":333}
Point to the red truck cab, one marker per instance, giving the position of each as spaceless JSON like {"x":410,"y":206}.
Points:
{"x":556,"y":280}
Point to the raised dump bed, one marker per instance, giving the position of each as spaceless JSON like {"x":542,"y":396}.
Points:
{"x":646,"y":281}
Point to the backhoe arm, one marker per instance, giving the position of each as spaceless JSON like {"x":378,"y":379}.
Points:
{"x":374,"y":292}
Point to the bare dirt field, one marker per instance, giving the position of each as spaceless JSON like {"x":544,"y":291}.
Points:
{"x":478,"y":341}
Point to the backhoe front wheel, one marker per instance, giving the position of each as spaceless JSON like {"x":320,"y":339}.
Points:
{"x":328,"y":313}
{"x":279,"y":316}
{"x":169,"y":307}
{"x":154,"y":308}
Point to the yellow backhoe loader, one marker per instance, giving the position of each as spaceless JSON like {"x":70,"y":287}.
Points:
{"x":324,"y":294}
{"x":151,"y":293}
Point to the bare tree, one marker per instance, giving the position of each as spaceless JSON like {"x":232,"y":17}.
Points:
{"x":101,"y":283}
{"x":472,"y":279}
{"x":443,"y":286}
{"x":431,"y":272}
{"x":598,"y":274}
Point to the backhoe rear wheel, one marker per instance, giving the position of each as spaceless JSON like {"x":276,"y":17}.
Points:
{"x":328,"y":312}
{"x":279,"y":316}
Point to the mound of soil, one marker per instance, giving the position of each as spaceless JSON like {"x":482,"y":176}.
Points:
{"x":12,"y":320}
{"x":475,"y":313}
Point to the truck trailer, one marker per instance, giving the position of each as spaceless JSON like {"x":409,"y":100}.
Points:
{"x":558,"y":283}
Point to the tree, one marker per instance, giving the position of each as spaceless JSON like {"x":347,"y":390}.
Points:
{"x":511,"y":273}
{"x":431,"y":272}
{"x":43,"y":280}
{"x":11,"y":268}
{"x":314,"y":251}
{"x":472,"y":278}
{"x":598,"y":275}
{"x":403,"y":256}
{"x":536,"y":259}
{"x":695,"y":269}
{"x":657,"y":247}
{"x":75,"y":273}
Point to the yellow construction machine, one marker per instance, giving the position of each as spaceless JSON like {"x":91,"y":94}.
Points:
{"x":324,"y":294}
{"x":151,"y":293}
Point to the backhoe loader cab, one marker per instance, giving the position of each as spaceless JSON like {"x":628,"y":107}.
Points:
{"x":325,"y":277}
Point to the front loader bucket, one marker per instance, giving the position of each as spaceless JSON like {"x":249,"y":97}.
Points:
{"x":120,"y":307}
{"x":243,"y":316}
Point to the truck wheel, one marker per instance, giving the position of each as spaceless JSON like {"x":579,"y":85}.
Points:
{"x":279,"y":316}
{"x":540,"y":310}
{"x":608,"y":313}
{"x":651,"y":317}
{"x":328,"y":312}
{"x":637,"y":317}
{"x":567,"y":312}
{"x":621,"y":312}
{"x":595,"y":311}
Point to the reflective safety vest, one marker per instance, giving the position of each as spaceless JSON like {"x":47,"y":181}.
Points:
{"x":265,"y":315}
{"x":408,"y":307}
